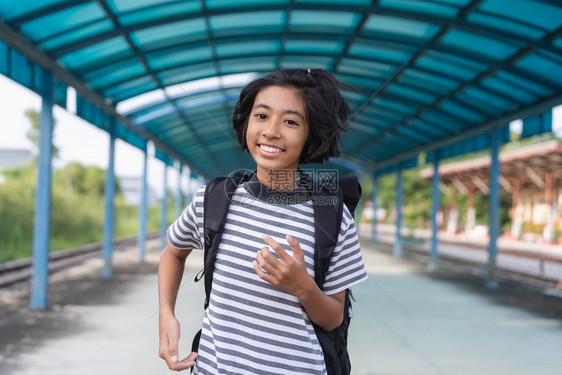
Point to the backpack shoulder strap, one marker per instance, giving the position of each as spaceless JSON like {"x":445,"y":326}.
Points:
{"x":218,"y":194}
{"x":328,"y":214}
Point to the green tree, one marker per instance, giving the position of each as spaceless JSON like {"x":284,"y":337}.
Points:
{"x":33,"y":133}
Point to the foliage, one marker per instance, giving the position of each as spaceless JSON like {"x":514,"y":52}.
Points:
{"x":416,"y":209}
{"x":77,"y":210}
{"x":33,"y":133}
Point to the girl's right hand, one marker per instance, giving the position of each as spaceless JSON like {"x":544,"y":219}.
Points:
{"x":169,"y":339}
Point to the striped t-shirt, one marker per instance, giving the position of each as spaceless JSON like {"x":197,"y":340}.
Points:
{"x":252,"y":327}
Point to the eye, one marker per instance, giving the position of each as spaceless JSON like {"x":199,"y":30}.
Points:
{"x":291,"y":122}
{"x":261,"y":116}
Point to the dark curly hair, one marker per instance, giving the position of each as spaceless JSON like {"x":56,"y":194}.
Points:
{"x":326,"y":109}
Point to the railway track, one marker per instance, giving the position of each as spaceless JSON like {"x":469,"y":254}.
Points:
{"x":21,"y":270}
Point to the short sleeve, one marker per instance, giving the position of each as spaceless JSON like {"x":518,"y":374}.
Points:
{"x":186,"y":232}
{"x":346,"y":266}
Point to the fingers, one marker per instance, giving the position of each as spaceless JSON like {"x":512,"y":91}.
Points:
{"x":276,"y":247}
{"x":296,"y":247}
{"x":185,"y":363}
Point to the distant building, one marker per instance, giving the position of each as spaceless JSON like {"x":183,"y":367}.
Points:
{"x":531,"y":174}
{"x":14,"y":158}
{"x":131,"y":187}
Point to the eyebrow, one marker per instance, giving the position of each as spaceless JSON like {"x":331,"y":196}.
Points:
{"x":289,"y":111}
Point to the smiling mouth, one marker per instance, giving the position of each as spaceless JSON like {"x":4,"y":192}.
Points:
{"x":271,"y":149}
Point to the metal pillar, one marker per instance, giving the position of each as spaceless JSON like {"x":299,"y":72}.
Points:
{"x":164,"y":218}
{"x":375,"y":220}
{"x":435,"y":204}
{"x":516,"y":210}
{"x":143,"y":209}
{"x":470,"y":211}
{"x":397,"y":250}
{"x":109,"y":223}
{"x":179,"y":199}
{"x":41,"y":226}
{"x":548,"y":232}
{"x":494,"y":211}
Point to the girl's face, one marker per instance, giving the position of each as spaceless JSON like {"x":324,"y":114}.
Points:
{"x":277,"y":130}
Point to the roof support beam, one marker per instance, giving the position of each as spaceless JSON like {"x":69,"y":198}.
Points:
{"x":534,"y":177}
{"x":481,"y":185}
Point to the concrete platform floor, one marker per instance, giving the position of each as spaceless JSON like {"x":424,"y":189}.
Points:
{"x":407,"y":322}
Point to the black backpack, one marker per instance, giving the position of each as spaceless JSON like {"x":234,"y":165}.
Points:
{"x":327,"y":222}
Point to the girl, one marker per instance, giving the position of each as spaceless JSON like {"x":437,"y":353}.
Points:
{"x":264,"y":297}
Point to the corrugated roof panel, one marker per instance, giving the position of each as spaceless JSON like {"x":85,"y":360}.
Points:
{"x":507,"y":89}
{"x":432,"y":82}
{"x":306,"y":62}
{"x":412,"y":134}
{"x":459,"y":110}
{"x":231,"y":49}
{"x":240,"y":65}
{"x":363,"y":128}
{"x":169,"y":33}
{"x":90,"y":30}
{"x":9,"y":10}
{"x":522,"y":83}
{"x":316,"y":20}
{"x":365,"y":68}
{"x":411,"y":93}
{"x":115,"y":73}
{"x":540,"y":14}
{"x":400,"y":26}
{"x":314,"y":46}
{"x":122,"y":6}
{"x":131,"y":88}
{"x":377,"y":120}
{"x":144,"y":13}
{"x":443,"y":120}
{"x":539,"y":63}
{"x":417,"y":124}
{"x":340,"y":2}
{"x":480,"y":44}
{"x":485,"y":100}
{"x":451,"y":65}
{"x":97,"y":52}
{"x":158,"y":61}
{"x":437,"y":8}
{"x":186,"y":73}
{"x":393,"y":53}
{"x":506,"y":25}
{"x":221,"y":4}
{"x":49,"y":25}
{"x":395,"y":105}
{"x":266,"y":21}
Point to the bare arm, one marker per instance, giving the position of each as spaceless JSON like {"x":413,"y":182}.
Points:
{"x":290,"y":274}
{"x":170,"y":271}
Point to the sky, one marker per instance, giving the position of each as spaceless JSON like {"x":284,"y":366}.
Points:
{"x":76,"y":139}
{"x":80,"y":141}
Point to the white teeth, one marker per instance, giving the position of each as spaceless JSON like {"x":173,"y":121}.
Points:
{"x":270,"y":149}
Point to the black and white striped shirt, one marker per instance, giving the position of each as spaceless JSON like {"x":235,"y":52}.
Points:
{"x":252,"y":327}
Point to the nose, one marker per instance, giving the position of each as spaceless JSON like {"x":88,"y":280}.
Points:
{"x":271,"y":129}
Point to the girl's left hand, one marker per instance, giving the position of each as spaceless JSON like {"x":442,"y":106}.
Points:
{"x":287,"y":272}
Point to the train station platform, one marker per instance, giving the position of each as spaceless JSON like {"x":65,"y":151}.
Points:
{"x":407,"y":322}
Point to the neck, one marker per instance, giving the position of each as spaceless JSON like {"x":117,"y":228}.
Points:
{"x":278,"y":179}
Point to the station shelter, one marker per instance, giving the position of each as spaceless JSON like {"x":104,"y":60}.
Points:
{"x":531,"y":174}
{"x":443,"y":78}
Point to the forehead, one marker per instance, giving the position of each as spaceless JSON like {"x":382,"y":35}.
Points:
{"x":281,"y":98}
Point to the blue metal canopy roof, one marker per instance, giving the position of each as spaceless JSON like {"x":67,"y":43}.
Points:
{"x":429,"y":73}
